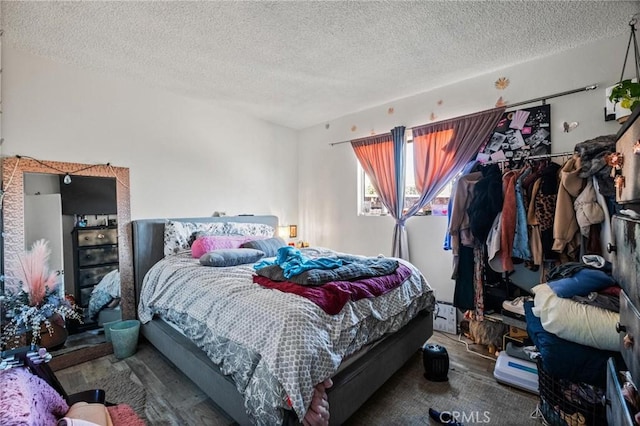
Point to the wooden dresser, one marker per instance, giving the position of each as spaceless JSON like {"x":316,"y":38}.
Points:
{"x":626,"y":270}
{"x":626,"y":267}
{"x":95,"y":255}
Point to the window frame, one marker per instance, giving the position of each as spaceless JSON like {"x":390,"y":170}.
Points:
{"x":437,"y":207}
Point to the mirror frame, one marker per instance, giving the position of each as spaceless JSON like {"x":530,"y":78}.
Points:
{"x":13,"y":170}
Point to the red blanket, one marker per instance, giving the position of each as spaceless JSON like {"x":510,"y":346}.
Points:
{"x":332,"y":296}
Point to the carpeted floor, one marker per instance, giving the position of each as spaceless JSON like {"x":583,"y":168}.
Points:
{"x":120,"y":388}
{"x":406,"y":398}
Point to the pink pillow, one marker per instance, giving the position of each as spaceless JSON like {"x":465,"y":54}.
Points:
{"x":216,"y":242}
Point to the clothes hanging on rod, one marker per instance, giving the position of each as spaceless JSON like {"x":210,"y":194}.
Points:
{"x":503,"y":217}
{"x":530,"y":158}
{"x":545,"y":214}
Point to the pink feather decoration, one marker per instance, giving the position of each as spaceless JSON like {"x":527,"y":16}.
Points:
{"x":32,"y":270}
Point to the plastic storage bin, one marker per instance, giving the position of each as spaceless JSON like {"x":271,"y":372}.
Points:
{"x":516,"y":372}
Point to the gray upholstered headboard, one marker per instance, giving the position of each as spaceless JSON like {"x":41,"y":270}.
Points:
{"x":148,"y":240}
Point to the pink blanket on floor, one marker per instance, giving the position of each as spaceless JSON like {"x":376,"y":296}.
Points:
{"x":332,"y":297}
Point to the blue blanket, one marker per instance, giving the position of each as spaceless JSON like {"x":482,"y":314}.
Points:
{"x":293,"y":262}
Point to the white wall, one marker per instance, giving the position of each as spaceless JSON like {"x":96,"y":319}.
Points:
{"x":328,"y":175}
{"x":189,"y":158}
{"x":186,"y":157}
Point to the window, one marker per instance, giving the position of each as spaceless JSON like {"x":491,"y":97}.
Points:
{"x":370,"y":204}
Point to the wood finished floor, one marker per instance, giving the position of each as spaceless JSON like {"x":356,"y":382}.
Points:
{"x":172,"y":399}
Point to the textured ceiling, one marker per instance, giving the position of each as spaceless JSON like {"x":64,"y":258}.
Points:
{"x":303,"y":63}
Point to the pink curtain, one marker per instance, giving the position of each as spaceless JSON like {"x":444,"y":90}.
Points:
{"x":376,"y":156}
{"x":383,"y":160}
{"x":441,"y":150}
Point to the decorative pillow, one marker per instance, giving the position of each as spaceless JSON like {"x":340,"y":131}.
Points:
{"x":177,"y":235}
{"x":231,"y":257}
{"x":581,"y":283}
{"x":217,"y":242}
{"x":269,"y":246}
{"x":258,"y":229}
{"x":577,"y":322}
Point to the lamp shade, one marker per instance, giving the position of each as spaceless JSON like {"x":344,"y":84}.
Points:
{"x":283,"y":231}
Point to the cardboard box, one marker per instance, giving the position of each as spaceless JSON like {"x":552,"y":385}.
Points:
{"x":517,"y":341}
{"x":445,"y":318}
{"x":517,"y":333}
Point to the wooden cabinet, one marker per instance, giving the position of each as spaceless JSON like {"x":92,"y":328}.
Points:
{"x":95,"y":255}
{"x":626,"y":270}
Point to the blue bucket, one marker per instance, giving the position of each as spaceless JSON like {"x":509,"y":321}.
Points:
{"x":124,"y":337}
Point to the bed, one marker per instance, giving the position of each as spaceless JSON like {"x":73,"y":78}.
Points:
{"x":355,"y":379}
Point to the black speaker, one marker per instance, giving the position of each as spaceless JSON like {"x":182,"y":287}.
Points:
{"x":436,"y":362}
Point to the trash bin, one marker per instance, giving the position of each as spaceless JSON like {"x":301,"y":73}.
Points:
{"x":107,"y":329}
{"x":124,"y":337}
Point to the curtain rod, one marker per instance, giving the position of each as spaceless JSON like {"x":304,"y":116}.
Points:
{"x":541,"y":98}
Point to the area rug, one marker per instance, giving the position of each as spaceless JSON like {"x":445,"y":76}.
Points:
{"x":120,"y":388}
{"x":406,"y":398}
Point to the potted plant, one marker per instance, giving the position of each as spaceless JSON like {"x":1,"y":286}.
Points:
{"x":626,"y":96}
{"x":33,"y":307}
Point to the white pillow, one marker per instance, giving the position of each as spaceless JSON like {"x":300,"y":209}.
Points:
{"x":576,"y":322}
{"x":257,"y":229}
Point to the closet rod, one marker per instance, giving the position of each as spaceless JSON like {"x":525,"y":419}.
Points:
{"x":555,"y":95}
{"x":557,"y":154}
{"x":541,"y":98}
{"x":531,"y":157}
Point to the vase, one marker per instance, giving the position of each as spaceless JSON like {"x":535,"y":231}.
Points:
{"x":52,"y":341}
{"x":56,"y":339}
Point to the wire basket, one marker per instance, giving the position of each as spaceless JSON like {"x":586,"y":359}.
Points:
{"x":566,"y":403}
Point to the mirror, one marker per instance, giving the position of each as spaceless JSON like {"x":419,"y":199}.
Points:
{"x":18,"y":171}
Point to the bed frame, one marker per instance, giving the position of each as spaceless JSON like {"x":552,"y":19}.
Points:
{"x":353,"y":385}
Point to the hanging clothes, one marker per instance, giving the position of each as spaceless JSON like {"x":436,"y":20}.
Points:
{"x":545,"y":207}
{"x":464,"y":291}
{"x":592,"y":163}
{"x":459,"y":226}
{"x":509,"y":217}
{"x":566,"y":235}
{"x":588,"y":211}
{"x":605,"y":229}
{"x":535,"y":236}
{"x":521,"y":249}
{"x":494,"y":239}
{"x":478,"y":273}
{"x":447,"y":245}
{"x":486,"y":202}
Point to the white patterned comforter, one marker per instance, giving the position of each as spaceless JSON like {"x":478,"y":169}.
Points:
{"x":277,"y":346}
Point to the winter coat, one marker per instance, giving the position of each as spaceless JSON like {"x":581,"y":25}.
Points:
{"x":565,"y":226}
{"x":486,"y":203}
{"x":588,"y":211}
